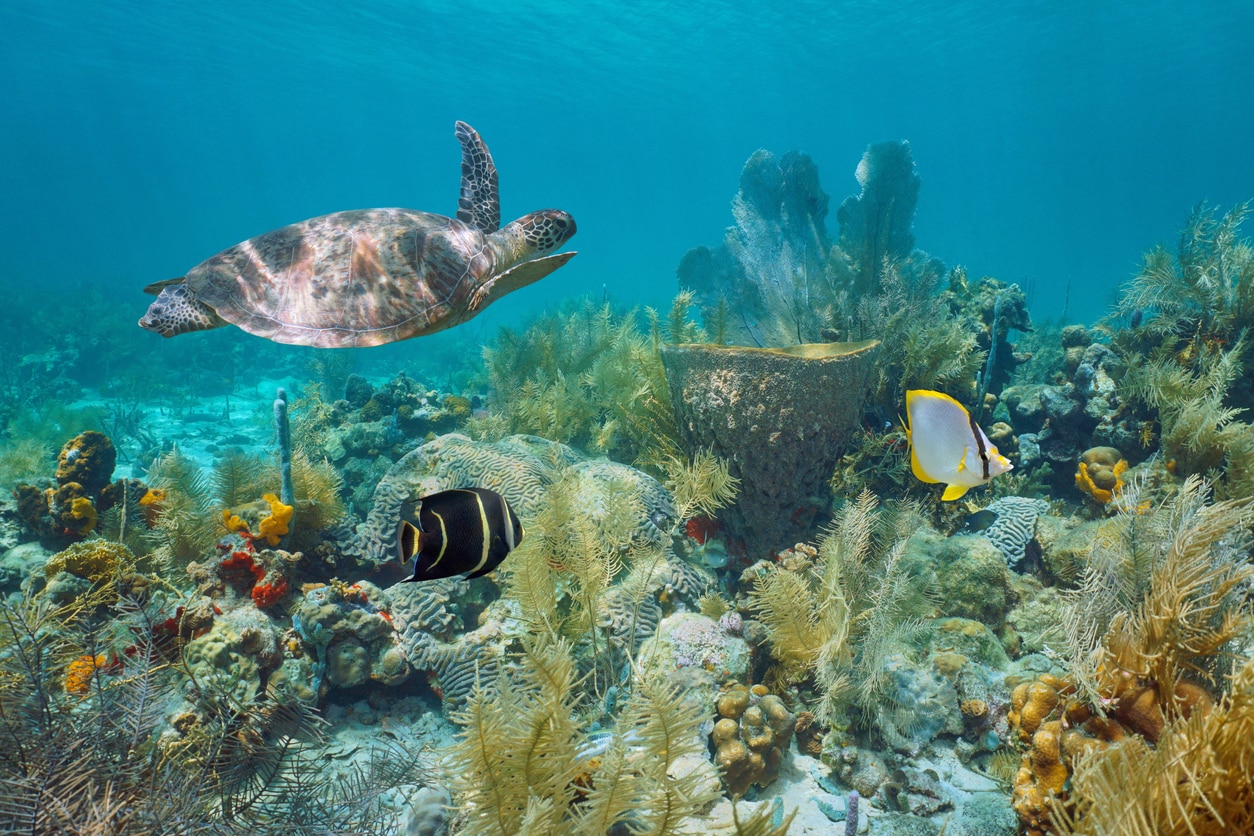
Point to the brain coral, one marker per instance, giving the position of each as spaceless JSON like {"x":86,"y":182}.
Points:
{"x":1015,"y":525}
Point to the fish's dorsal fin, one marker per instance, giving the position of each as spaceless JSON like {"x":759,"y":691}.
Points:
{"x":480,"y":202}
{"x":156,"y":287}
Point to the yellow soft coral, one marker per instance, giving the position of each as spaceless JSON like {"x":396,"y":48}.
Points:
{"x":153,"y":496}
{"x":274,"y":526}
{"x":83,"y":513}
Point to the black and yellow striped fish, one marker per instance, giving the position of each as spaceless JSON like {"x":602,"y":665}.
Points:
{"x":451,"y":532}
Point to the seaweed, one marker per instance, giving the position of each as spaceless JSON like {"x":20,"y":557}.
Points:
{"x":519,"y":763}
{"x":701,"y":485}
{"x":83,"y":758}
{"x":1179,"y":583}
{"x":191,"y":520}
{"x":590,"y":376}
{"x":1206,"y":287}
{"x":515,"y":760}
{"x":1161,"y":593}
{"x":838,"y":620}
{"x":1201,"y":433}
{"x":924,"y":344}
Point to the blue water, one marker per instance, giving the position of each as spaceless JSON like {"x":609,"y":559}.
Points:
{"x":1056,"y":140}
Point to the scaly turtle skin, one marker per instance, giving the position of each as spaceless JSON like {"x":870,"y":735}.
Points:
{"x":369,"y":276}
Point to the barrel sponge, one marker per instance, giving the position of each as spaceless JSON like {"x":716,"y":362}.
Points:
{"x":780,"y":418}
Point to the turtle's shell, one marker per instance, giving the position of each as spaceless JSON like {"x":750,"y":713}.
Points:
{"x":358,"y":278}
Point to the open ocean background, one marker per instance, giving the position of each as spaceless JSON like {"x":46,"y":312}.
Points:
{"x":1056,"y":141}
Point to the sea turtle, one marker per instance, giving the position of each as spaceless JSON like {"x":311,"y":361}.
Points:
{"x":369,"y":276}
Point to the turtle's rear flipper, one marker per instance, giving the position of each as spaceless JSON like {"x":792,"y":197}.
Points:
{"x":176,"y":311}
{"x":529,"y":272}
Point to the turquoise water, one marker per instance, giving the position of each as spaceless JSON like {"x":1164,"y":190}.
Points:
{"x":1056,"y":141}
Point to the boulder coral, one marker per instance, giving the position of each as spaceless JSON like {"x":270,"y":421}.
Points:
{"x":1059,"y":727}
{"x":1099,"y":474}
{"x":751,"y":736}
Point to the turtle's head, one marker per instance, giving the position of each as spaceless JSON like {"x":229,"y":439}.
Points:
{"x":546,"y":230}
{"x":176,"y":311}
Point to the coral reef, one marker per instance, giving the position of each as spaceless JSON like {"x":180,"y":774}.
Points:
{"x":779,"y":417}
{"x":71,"y":510}
{"x":351,"y":633}
{"x":88,"y":459}
{"x":1162,"y":599}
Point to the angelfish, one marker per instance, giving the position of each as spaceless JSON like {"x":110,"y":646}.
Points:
{"x":465,"y":530}
{"x":947,"y":445}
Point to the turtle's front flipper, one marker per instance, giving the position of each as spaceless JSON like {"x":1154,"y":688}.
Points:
{"x":176,"y":311}
{"x":529,"y":272}
{"x":480,"y":202}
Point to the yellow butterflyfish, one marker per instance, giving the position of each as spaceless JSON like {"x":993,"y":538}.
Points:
{"x":947,"y":446}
